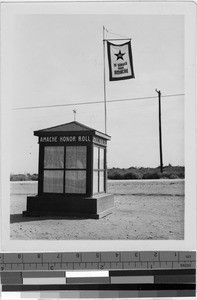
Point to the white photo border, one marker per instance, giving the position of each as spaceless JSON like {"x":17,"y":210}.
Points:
{"x":188,"y":10}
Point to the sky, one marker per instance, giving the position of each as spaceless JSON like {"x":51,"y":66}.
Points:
{"x":58,"y":59}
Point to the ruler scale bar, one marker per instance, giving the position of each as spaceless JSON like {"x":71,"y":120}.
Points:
{"x":101,"y":274}
{"x":161,"y":256}
{"x":96,"y":266}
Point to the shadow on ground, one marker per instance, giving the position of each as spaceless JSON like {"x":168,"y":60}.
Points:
{"x":19,"y":218}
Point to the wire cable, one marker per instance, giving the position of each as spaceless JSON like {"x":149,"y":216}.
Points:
{"x":108,"y":31}
{"x":94,"y":102}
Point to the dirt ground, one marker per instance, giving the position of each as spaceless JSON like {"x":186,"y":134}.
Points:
{"x":144,"y":209}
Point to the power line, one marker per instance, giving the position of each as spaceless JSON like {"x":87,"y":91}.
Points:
{"x":94,"y":102}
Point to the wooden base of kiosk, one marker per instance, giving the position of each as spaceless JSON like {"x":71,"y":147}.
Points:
{"x":60,"y":206}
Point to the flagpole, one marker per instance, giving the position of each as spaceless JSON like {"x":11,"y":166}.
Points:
{"x":104,"y":78}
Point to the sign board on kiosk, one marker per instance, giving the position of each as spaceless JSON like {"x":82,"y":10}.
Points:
{"x":72,"y":179}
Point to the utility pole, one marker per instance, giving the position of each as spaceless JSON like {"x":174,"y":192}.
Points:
{"x":160,"y":133}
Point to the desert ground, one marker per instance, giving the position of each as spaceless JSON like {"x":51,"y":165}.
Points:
{"x":144,"y":210}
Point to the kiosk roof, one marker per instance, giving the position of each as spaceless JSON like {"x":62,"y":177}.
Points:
{"x":71,"y":127}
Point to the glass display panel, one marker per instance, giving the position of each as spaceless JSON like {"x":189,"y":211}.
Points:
{"x":96,"y":157}
{"x":53,"y":181}
{"x":101,"y":181}
{"x":53,"y":157}
{"x":95,"y":182}
{"x":75,"y":182}
{"x":102,"y":162}
{"x":76,"y":157}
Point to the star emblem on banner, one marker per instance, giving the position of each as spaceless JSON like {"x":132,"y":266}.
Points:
{"x":120,"y":55}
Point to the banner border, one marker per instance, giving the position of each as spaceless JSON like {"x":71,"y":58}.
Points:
{"x":111,"y":78}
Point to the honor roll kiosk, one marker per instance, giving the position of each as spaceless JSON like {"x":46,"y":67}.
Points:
{"x":72,"y":179}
